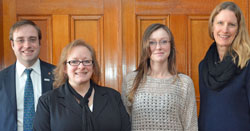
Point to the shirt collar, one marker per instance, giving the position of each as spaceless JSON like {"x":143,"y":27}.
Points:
{"x":20,"y":68}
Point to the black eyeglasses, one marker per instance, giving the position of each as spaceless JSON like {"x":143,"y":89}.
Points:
{"x":77,"y":62}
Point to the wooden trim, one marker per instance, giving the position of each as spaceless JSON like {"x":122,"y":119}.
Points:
{"x":112,"y":43}
{"x":59,"y":7}
{"x":178,"y":26}
{"x":129,"y":41}
{"x":61,"y":37}
{"x":9,"y":18}
{"x":100,"y":55}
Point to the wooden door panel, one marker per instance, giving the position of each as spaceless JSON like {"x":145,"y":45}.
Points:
{"x":89,"y":29}
{"x":198,"y":44}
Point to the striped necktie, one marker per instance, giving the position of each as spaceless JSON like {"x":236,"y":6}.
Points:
{"x":29,"y":108}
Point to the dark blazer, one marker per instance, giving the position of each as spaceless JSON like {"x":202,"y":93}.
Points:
{"x":58,"y":110}
{"x":8,"y":105}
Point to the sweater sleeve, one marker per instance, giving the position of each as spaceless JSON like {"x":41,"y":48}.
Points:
{"x":189,"y":118}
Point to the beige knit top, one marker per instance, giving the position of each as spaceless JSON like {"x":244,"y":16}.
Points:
{"x":161,"y":105}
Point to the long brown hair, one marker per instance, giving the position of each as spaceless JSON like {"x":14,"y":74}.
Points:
{"x":144,"y":65}
{"x":241,"y":43}
{"x":61,"y":76}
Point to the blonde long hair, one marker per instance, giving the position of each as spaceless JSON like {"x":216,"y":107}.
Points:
{"x":59,"y":73}
{"x":241,"y":43}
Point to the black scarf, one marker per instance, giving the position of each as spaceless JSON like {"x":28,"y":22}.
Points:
{"x":217,"y":73}
{"x":88,"y":122}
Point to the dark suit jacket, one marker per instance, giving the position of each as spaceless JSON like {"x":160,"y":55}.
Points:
{"x":8,"y":105}
{"x":58,"y":110}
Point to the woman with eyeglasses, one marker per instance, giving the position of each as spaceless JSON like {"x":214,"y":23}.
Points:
{"x":155,"y":95}
{"x":78,"y":103}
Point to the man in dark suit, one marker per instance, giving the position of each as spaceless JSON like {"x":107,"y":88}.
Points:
{"x":25,"y":39}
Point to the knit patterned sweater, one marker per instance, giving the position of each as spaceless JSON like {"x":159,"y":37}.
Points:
{"x":161,"y":105}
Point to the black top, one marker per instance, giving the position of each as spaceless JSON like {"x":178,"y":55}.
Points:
{"x":58,"y":110}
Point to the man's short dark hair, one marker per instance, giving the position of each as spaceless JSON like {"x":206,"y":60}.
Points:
{"x":22,"y":23}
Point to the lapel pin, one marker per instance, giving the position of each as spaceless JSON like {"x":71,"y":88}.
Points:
{"x":46,"y":79}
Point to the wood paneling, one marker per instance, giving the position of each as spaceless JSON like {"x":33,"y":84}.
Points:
{"x":61,"y":35}
{"x":115,"y":28}
{"x":44,"y":22}
{"x":59,"y":7}
{"x":178,"y":26}
{"x":112,"y":43}
{"x":198,"y":44}
{"x":90,"y":29}
{"x":129,"y":59}
{"x":182,"y":6}
{"x":9,"y":18}
{"x":174,"y":6}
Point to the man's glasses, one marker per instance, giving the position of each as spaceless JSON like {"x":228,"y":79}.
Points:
{"x":77,"y":62}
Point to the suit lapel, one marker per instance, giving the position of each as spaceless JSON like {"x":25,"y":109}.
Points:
{"x":100,"y":100}
{"x":46,"y":76}
{"x":10,"y":86}
{"x":66,"y":99}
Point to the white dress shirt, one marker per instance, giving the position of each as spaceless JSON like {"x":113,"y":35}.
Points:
{"x":21,"y":77}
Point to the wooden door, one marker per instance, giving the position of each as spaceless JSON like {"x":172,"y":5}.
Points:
{"x":114,"y":28}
